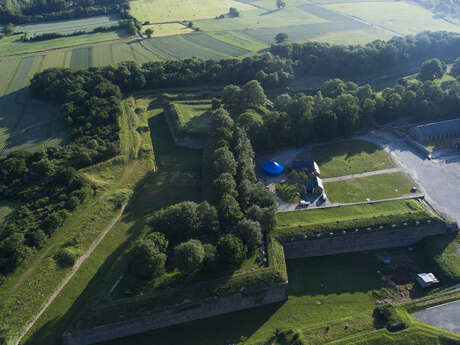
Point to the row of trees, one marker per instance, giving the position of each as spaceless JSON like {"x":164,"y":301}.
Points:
{"x":218,"y":235}
{"x":339,"y":108}
{"x":48,"y":10}
{"x":359,"y":60}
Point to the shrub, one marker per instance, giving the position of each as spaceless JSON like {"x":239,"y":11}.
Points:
{"x":66,"y":257}
{"x":392,"y":318}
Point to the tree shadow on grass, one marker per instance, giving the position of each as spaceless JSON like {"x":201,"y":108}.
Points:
{"x":334,"y":274}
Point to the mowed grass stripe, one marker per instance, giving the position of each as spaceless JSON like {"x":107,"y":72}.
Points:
{"x":235,"y":39}
{"x":101,"y":55}
{"x":156,"y":50}
{"x":9,"y":68}
{"x":141,"y":55}
{"x":80,"y":58}
{"x":179,"y":47}
{"x":211,"y":43}
{"x":54,"y":59}
{"x":121,"y":52}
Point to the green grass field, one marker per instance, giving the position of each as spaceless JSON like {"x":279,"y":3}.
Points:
{"x":350,"y":157}
{"x":401,"y":17}
{"x":194,"y":117}
{"x":157,"y":11}
{"x":313,"y":221}
{"x":6,"y":208}
{"x":377,"y":187}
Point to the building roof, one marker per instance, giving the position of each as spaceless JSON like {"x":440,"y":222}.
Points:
{"x":316,"y":182}
{"x":310,"y":165}
{"x":427,"y":278}
{"x":436,"y":129}
{"x":273,"y":168}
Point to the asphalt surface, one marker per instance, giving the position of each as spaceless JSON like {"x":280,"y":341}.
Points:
{"x":439,"y":179}
{"x":446,"y":316}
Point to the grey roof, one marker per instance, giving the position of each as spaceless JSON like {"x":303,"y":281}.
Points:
{"x":315,"y":182}
{"x":437,"y":129}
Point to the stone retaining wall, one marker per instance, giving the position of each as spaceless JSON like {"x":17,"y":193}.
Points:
{"x":363,"y":240}
{"x":180,"y":314}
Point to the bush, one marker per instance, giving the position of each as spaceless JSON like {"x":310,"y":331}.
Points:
{"x":66,"y":257}
{"x":392,"y":318}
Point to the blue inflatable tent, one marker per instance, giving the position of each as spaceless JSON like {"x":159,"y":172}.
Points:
{"x":273,"y":168}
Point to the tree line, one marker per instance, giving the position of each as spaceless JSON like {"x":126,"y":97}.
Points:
{"x":48,"y":10}
{"x":340,"y":108}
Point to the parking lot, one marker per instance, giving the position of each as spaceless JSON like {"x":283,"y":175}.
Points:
{"x":446,"y":316}
{"x":438,"y":178}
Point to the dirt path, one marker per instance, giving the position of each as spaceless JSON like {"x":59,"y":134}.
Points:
{"x":370,"y":173}
{"x":69,"y":276}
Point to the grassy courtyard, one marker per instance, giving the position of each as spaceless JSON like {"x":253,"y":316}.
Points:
{"x":377,"y":187}
{"x":350,"y":157}
{"x":194,"y":117}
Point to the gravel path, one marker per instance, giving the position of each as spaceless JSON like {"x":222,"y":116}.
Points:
{"x":370,"y":173}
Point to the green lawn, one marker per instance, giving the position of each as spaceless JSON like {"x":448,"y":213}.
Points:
{"x":299,"y":223}
{"x":350,"y":157}
{"x":194,"y":117}
{"x":288,"y":192}
{"x":377,"y":187}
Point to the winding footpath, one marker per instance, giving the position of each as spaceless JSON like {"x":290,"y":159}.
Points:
{"x":69,"y":276}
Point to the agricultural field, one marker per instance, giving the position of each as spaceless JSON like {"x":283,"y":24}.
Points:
{"x":13,"y":45}
{"x":167,"y":29}
{"x":377,"y":187}
{"x":401,"y":17}
{"x":69,"y":26}
{"x":158,"y":11}
{"x":350,"y":157}
{"x":348,"y":217}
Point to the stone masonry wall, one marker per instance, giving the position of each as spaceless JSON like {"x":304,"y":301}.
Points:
{"x":220,"y":306}
{"x":353,"y":242}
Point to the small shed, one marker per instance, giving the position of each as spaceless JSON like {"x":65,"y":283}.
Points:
{"x":273,"y":168}
{"x":426,"y":279}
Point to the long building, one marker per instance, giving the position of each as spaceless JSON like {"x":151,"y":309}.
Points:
{"x":436,"y":130}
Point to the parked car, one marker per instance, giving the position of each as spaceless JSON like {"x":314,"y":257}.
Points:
{"x":304,"y":204}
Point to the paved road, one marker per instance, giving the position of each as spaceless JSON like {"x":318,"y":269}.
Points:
{"x":370,"y":173}
{"x":446,"y":316}
{"x":439,"y":179}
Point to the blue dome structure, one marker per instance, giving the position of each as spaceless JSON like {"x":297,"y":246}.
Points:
{"x":273,"y":168}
